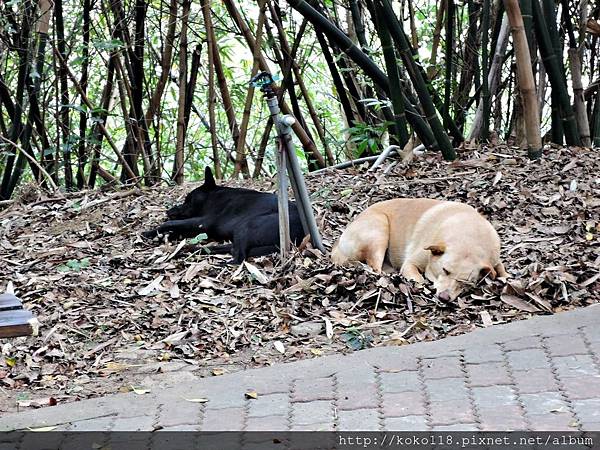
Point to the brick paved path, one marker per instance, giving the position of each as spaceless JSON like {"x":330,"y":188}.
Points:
{"x":539,"y":374}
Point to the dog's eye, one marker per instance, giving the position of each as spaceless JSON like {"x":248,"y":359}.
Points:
{"x":446,"y":272}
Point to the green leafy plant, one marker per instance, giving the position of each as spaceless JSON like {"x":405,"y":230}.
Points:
{"x":356,"y":340}
{"x":198,"y":239}
{"x":366,"y":137}
{"x":74,"y":265}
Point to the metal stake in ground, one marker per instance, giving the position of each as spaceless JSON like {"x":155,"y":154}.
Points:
{"x":286,"y":159}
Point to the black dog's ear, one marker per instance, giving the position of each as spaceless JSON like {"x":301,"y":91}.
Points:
{"x":209,"y":180}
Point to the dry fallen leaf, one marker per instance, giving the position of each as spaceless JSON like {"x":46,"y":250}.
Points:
{"x":328,"y":328}
{"x":98,"y":330}
{"x":486,"y":318}
{"x":140,"y":391}
{"x":279,"y":347}
{"x":251,"y":395}
{"x":43,"y":429}
{"x":256,"y":273}
{"x":518,"y":303}
{"x":196,"y":400}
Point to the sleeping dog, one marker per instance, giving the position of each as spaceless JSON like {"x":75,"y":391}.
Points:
{"x":247,"y":218}
{"x":449,"y":242}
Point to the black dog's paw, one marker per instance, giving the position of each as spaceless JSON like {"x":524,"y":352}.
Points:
{"x":149,"y":234}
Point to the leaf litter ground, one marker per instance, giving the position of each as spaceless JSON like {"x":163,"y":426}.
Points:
{"x":119,"y":313}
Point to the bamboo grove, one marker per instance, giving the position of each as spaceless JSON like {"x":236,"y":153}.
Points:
{"x":144,"y":91}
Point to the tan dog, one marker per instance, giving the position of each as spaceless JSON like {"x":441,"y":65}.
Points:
{"x":449,"y":242}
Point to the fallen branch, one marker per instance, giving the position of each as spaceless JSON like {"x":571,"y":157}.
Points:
{"x":34,"y":162}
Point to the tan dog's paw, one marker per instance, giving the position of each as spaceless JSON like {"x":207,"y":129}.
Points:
{"x":411,"y":272}
{"x":501,"y":271}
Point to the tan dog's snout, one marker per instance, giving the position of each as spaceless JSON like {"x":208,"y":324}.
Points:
{"x":451,"y":271}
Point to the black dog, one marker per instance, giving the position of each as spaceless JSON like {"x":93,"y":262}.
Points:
{"x":247,"y":218}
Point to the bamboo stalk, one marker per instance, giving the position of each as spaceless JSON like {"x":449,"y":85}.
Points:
{"x":211,"y":87}
{"x":437,"y":35}
{"x":240,"y":154}
{"x":290,"y":56}
{"x":100,"y":125}
{"x":493,"y":80}
{"x":307,"y":144}
{"x":20,"y":92}
{"x":553,"y":63}
{"x":485,"y":95}
{"x":526,"y":81}
{"x":417,"y":79}
{"x":178,"y":170}
{"x":448,"y":58}
{"x":366,"y":64}
{"x":400,"y":130}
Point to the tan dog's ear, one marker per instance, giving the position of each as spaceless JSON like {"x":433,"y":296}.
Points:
{"x":487,"y":271}
{"x":437,"y":249}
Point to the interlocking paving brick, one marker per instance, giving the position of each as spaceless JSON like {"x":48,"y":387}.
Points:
{"x":133,"y":405}
{"x":406,"y":423}
{"x":587,"y":410}
{"x":267,"y":423}
{"x":269,"y":405}
{"x":451,"y":412}
{"x":574,"y":366}
{"x":445,"y":367}
{"x":403,"y":404}
{"x":447,"y":389}
{"x":592,"y":333}
{"x":498,"y":396}
{"x":543,"y":403}
{"x":224,"y":419}
{"x":534,"y":358}
{"x":560,"y":421}
{"x":561,"y":346}
{"x":534,"y":380}
{"x":327,"y":426}
{"x":400,"y":381}
{"x":550,"y":391}
{"x":504,"y":418}
{"x":488,"y":374}
{"x":227,"y":399}
{"x":139,"y":423}
{"x":182,"y":427}
{"x":99,"y":424}
{"x":270,"y":385}
{"x":482,"y":354}
{"x":582,"y":387}
{"x":522,"y":343}
{"x":180,"y":413}
{"x":357,"y":398}
{"x":595,"y":350}
{"x":313,"y":389}
{"x":355,"y":376}
{"x":590,"y":426}
{"x":456,"y":427}
{"x":319,"y":411}
{"x":397,"y":364}
{"x":358,"y":420}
